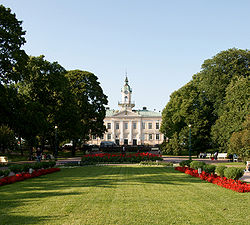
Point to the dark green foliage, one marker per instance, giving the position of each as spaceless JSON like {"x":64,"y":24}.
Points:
{"x":26,"y":167}
{"x":12,"y":58}
{"x":209,"y":168}
{"x":7,"y":138}
{"x":239,"y":142}
{"x":197,"y":164}
{"x":233,"y":113}
{"x":90,"y":103}
{"x":233,"y":173}
{"x":186,"y":163}
{"x":52,"y":163}
{"x":4,"y":173}
{"x":37,"y":166}
{"x":16,"y":168}
{"x":220,"y":170}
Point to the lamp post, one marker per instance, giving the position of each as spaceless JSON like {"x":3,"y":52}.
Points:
{"x":190,"y":158}
{"x":56,"y":142}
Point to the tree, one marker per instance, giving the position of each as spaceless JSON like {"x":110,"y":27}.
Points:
{"x":12,"y":58}
{"x":234,"y":111}
{"x":188,"y":106}
{"x":239,"y":142}
{"x":12,"y":63}
{"x":47,"y":98}
{"x":90,"y":101}
{"x":7,"y":138}
{"x":217,"y":73}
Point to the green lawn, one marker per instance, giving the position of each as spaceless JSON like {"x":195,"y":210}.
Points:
{"x":121,"y":195}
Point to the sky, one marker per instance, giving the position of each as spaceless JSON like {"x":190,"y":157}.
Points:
{"x":161,"y":44}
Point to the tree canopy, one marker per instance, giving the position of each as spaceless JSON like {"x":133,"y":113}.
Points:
{"x":12,"y":57}
{"x":215,"y":102}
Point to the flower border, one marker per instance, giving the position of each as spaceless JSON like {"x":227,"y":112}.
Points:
{"x":24,"y":176}
{"x":235,"y":185}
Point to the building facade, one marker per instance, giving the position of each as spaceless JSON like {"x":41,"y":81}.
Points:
{"x":131,"y":127}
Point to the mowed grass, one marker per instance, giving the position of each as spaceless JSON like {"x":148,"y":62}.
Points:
{"x":121,"y":195}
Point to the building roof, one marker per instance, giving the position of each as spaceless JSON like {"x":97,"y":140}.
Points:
{"x":142,"y":113}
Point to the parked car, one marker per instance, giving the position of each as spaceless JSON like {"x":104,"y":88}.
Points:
{"x":67,"y":145}
{"x":107,"y":144}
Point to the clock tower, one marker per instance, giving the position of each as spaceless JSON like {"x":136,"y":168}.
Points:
{"x":126,"y":97}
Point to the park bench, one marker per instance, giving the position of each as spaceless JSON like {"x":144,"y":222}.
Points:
{"x":3,"y":160}
{"x":222,"y":155}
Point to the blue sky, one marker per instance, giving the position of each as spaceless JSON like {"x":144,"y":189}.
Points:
{"x":160,"y":43}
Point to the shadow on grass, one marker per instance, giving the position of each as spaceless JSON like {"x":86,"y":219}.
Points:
{"x":64,"y":182}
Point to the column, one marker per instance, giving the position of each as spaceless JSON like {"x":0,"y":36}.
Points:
{"x":139,"y":132}
{"x":121,"y":132}
{"x":130,"y":136}
{"x":113,"y":130}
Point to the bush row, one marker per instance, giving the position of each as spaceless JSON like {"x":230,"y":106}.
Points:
{"x":222,"y":171}
{"x":19,"y":168}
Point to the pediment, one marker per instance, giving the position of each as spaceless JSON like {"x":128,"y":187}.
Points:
{"x":126,"y":113}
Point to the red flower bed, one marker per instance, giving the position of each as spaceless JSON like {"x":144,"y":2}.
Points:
{"x":24,"y":176}
{"x":131,"y":157}
{"x":235,"y":185}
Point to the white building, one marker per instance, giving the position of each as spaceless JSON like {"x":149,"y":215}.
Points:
{"x":131,"y":127}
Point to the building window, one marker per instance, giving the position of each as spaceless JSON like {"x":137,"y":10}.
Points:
{"x":109,"y":125}
{"x":109,"y":136}
{"x":157,"y":137}
{"x":117,"y":126}
{"x":134,"y":142}
{"x":94,"y":137}
{"x":125,"y":142}
{"x":150,"y":137}
{"x":117,"y":141}
{"x":134,"y":125}
{"x":125,"y":126}
{"x":149,"y":125}
{"x":143,"y":125}
{"x":157,"y":126}
{"x":101,"y":137}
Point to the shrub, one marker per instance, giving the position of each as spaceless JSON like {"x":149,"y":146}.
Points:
{"x":186,"y":163}
{"x":45,"y":165}
{"x":16,"y":168}
{"x":220,"y":170}
{"x":4,"y":173}
{"x":197,"y":164}
{"x":52,"y":163}
{"x":233,"y":173}
{"x":26,"y":167}
{"x":37,"y":166}
{"x":209,"y":168}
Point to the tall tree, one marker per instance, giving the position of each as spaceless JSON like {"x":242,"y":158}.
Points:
{"x":12,"y":58}
{"x":12,"y":64}
{"x":46,"y":92}
{"x":217,"y":73}
{"x":90,"y":101}
{"x":234,"y":111}
{"x":188,"y":106}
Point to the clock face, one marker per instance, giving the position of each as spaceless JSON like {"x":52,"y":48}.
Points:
{"x":126,"y":92}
